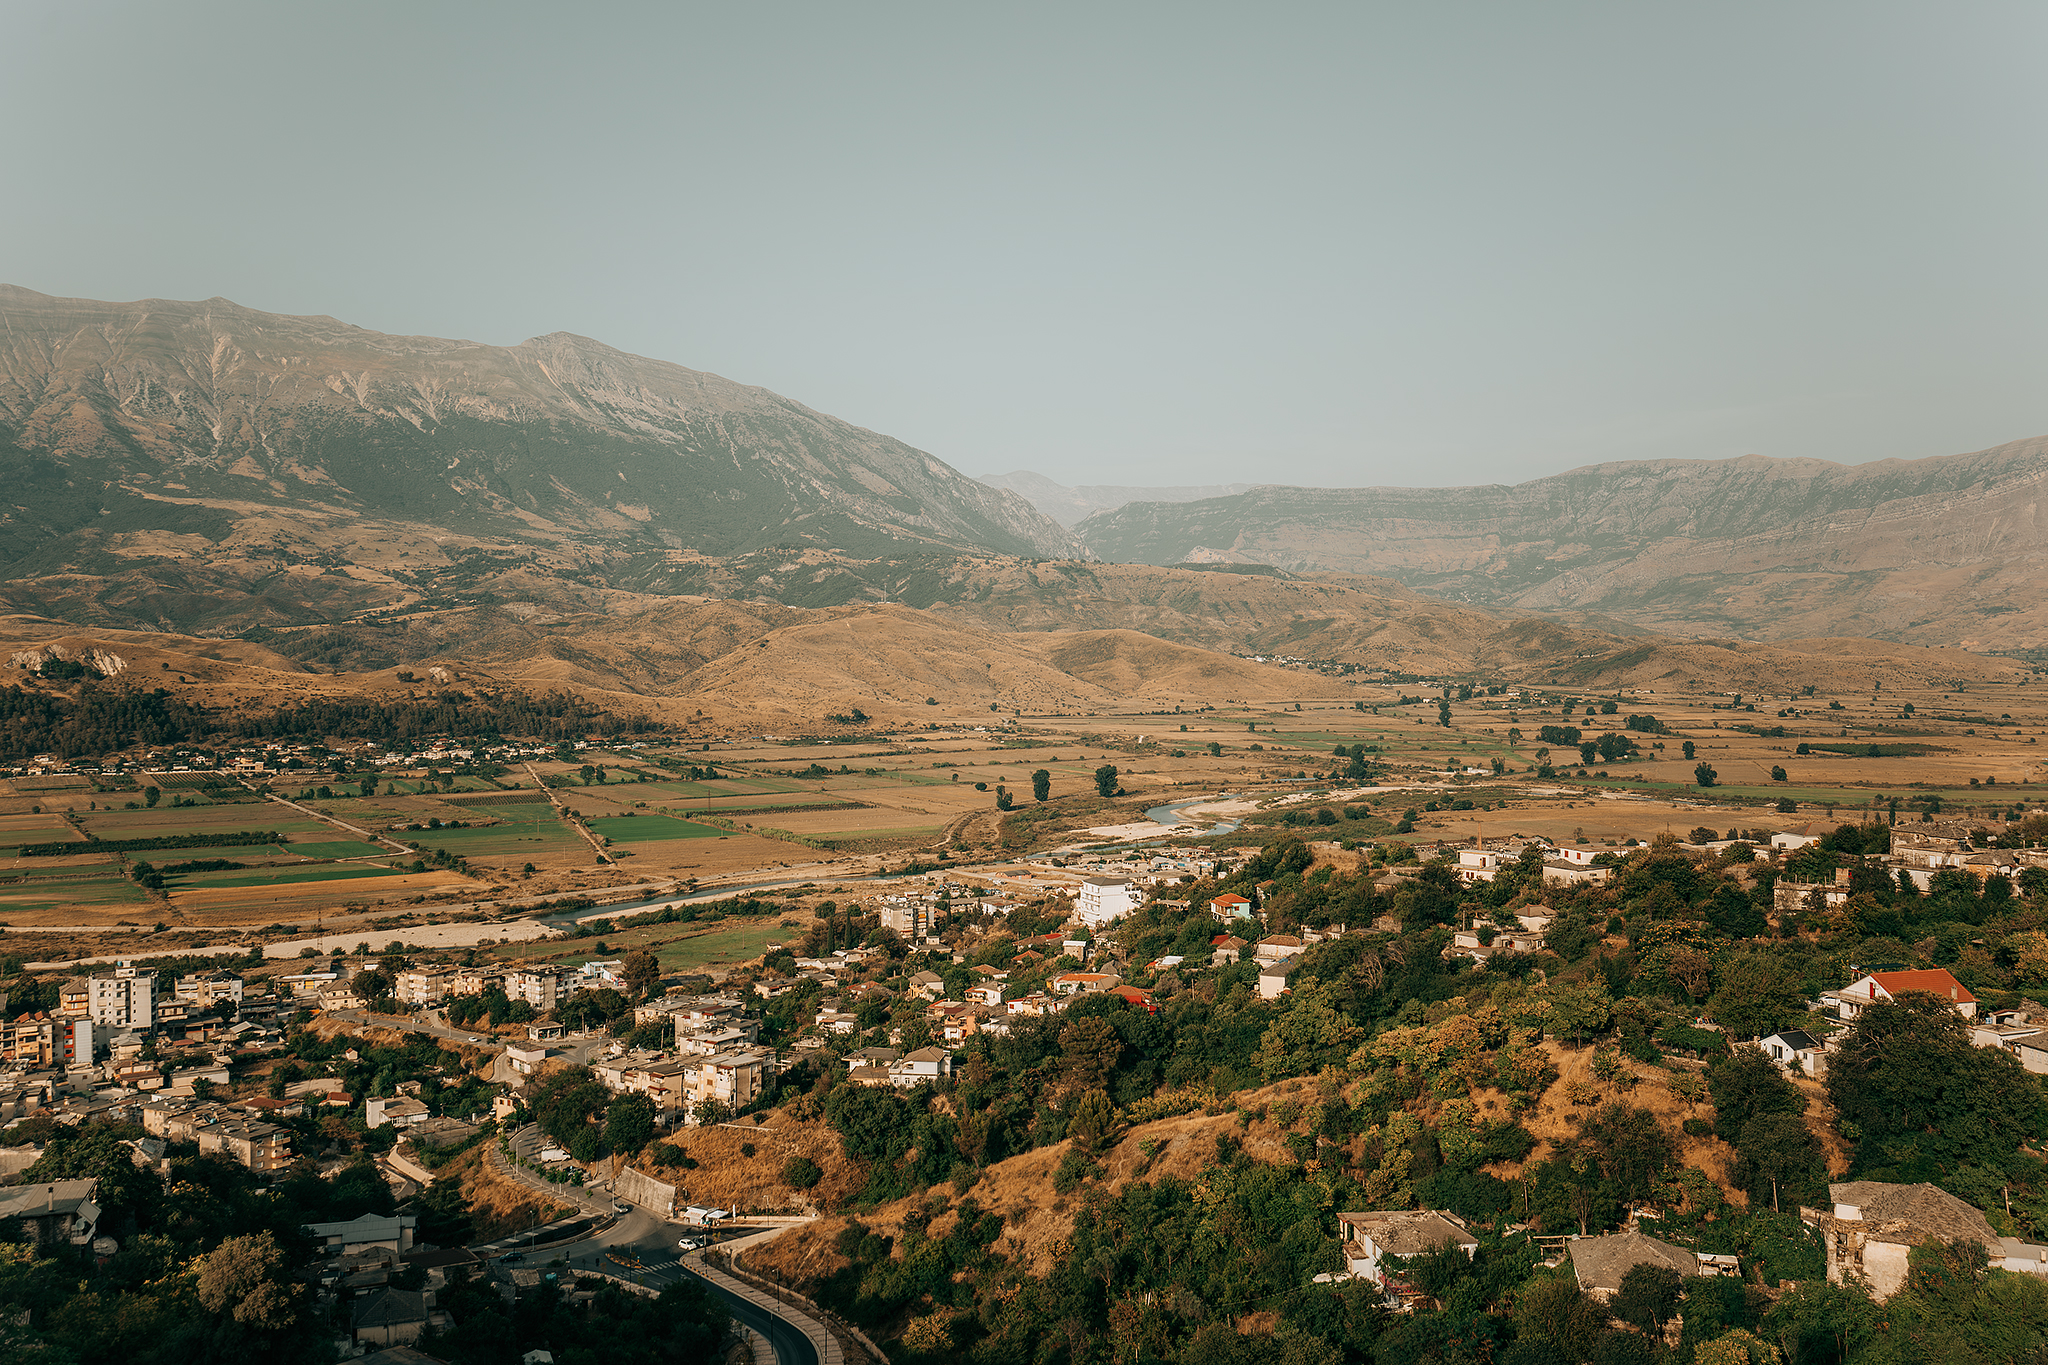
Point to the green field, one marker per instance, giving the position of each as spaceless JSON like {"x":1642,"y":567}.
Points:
{"x":730,"y":941}
{"x":47,"y":894}
{"x":647,"y":829}
{"x":526,"y":828}
{"x":340,"y":848}
{"x":284,"y":876}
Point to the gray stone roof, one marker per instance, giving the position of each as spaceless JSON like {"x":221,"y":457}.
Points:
{"x":1915,"y":1213}
{"x":389,"y":1308}
{"x":1600,"y":1262}
{"x":1408,"y":1232}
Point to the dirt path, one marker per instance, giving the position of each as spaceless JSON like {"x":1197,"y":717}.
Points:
{"x":563,"y":812}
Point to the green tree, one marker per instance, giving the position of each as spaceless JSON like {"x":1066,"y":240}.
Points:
{"x":150,"y":796}
{"x":629,"y":1123}
{"x":642,"y":972}
{"x":1309,"y":1035}
{"x":247,"y":1278}
{"x":1105,"y":780}
{"x":1925,"y":1101}
{"x":1004,"y":801}
{"x":1648,"y":1297}
{"x":1757,"y":994}
{"x":1704,"y":774}
{"x":801,"y":1173}
{"x":1041,"y":785}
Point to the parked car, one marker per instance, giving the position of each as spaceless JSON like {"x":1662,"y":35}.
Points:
{"x":690,"y":1244}
{"x":512,"y":1259}
{"x":621,"y":1206}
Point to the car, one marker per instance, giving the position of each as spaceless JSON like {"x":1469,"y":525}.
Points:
{"x":621,"y":1206}
{"x":513,"y":1259}
{"x":690,"y":1244}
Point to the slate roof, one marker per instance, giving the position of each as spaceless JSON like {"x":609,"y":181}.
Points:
{"x":1600,"y":1262}
{"x":390,"y":1308}
{"x":1915,"y":1213}
{"x":1409,"y":1232}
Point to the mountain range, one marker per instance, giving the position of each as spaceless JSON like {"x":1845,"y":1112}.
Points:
{"x":1069,"y":506}
{"x":210,"y":470}
{"x":1942,"y":551}
{"x":207,"y":465}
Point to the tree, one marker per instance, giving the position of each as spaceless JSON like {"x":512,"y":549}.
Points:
{"x":1757,"y":995}
{"x":1105,"y":780}
{"x":1443,"y":713}
{"x":801,"y":1173}
{"x":246,"y":1277}
{"x":1778,"y":1158}
{"x":1778,"y":774}
{"x":629,"y":1123}
{"x":1922,"y":1098}
{"x":1745,"y":1086}
{"x":1092,"y":1050}
{"x":1687,"y":749}
{"x":1647,"y":1298}
{"x":1004,"y":801}
{"x":1041,"y":784}
{"x":642,"y":972}
{"x":1094,"y":1119}
{"x":1215,"y":749}
{"x":1704,"y":773}
{"x":150,"y":796}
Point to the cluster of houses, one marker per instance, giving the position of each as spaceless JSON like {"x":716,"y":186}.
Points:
{"x":117,"y":1041}
{"x":1867,"y":1233}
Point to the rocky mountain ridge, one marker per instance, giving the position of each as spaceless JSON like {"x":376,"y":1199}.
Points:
{"x":1942,"y":551}
{"x":198,"y":450}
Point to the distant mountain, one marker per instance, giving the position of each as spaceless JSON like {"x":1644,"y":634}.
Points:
{"x":1945,"y":551}
{"x":204,"y":465}
{"x":1068,"y":506}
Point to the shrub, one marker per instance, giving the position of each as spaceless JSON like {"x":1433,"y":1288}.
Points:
{"x":801,"y":1173}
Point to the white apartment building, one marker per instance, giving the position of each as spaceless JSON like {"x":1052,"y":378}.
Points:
{"x":1104,"y":900}
{"x":122,"y":998}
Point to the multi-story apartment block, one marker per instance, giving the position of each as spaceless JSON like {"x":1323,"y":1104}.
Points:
{"x":42,"y":1040}
{"x":122,"y":998}
{"x":541,"y":987}
{"x":417,"y":986}
{"x":203,"y":990}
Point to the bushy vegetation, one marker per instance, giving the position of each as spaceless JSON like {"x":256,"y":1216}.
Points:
{"x":1416,"y":1075}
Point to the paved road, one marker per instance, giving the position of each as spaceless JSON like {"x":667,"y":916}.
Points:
{"x":652,"y":1241}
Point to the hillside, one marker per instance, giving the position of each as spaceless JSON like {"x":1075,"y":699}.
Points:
{"x":1941,"y":551}
{"x":204,"y":465}
{"x":1068,"y":506}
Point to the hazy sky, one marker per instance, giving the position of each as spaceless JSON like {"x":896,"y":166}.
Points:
{"x":1348,"y":244}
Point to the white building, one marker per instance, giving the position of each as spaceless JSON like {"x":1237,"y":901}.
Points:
{"x":1104,"y":900}
{"x":123,"y":998}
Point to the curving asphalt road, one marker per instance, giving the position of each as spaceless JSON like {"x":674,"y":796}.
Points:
{"x":652,"y":1242}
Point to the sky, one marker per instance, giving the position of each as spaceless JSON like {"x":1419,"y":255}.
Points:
{"x":1437,"y":244}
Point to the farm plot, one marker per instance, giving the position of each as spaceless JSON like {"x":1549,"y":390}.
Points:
{"x":335,"y":848}
{"x":198,"y":823}
{"x":523,"y":831}
{"x":62,"y":893}
{"x":283,"y":876}
{"x":647,"y":829}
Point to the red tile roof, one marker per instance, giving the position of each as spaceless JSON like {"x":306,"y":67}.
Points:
{"x":1934,"y":981}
